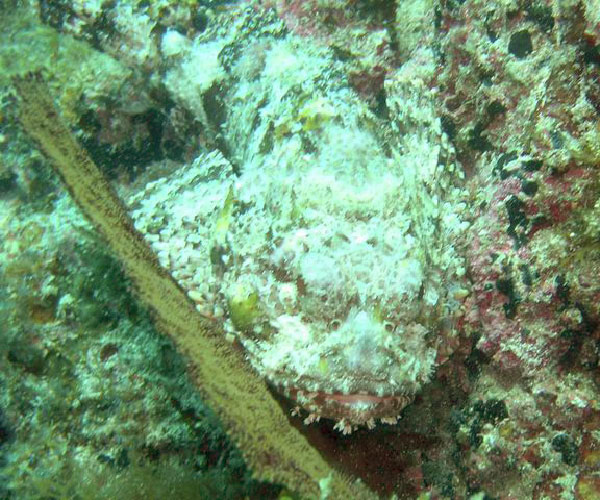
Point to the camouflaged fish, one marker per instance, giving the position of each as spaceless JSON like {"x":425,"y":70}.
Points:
{"x":327,"y":240}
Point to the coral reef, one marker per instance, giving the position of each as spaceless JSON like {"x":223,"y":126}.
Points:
{"x":392,"y":206}
{"x":529,"y":127}
{"x":217,"y":368}
{"x":94,"y":403}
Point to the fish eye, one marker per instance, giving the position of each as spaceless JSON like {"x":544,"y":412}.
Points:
{"x":334,"y":324}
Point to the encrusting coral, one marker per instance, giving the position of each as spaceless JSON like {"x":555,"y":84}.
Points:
{"x":272,"y":447}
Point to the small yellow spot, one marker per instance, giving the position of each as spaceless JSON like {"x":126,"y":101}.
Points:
{"x":224,"y":218}
{"x":316,"y":113}
{"x":462,"y":293}
{"x":244,"y":308}
{"x":323,"y":366}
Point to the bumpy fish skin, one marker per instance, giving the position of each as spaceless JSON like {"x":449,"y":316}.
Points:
{"x":338,"y":264}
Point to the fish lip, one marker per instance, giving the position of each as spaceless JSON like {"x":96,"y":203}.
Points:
{"x":355,"y":408}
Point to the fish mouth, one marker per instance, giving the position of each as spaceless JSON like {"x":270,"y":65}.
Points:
{"x":349,"y":410}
